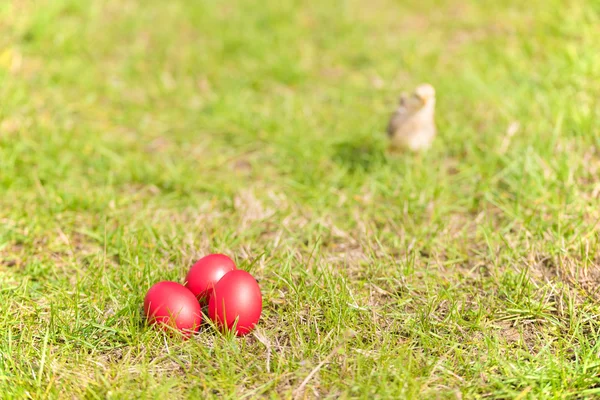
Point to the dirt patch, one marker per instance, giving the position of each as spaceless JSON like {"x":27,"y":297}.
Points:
{"x":65,"y":251}
{"x":583,"y":275}
{"x":523,"y":333}
{"x":11,"y":256}
{"x":250,"y":208}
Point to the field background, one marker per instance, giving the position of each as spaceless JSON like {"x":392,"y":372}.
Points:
{"x":137,"y":136}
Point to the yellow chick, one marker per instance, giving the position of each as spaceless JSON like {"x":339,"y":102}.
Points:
{"x":412,"y":126}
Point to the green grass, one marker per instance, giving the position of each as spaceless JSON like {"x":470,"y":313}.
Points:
{"x":137,"y":136}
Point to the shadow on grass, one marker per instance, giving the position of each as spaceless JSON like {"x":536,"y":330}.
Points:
{"x":361,"y":156}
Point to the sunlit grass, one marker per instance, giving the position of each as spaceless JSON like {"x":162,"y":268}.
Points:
{"x":136,"y":137}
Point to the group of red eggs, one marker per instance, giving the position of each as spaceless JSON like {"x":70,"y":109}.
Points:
{"x":233,"y":297}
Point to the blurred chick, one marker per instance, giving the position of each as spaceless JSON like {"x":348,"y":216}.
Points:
{"x":412,"y":126}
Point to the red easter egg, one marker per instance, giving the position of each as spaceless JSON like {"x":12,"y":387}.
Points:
{"x":170,"y":304}
{"x":207,"y":271}
{"x":236,"y":297}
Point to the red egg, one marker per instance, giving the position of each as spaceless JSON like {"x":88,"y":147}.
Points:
{"x":207,"y":271}
{"x":236,"y":296}
{"x":173,"y":306}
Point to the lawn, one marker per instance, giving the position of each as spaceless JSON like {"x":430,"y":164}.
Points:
{"x":137,"y":136}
